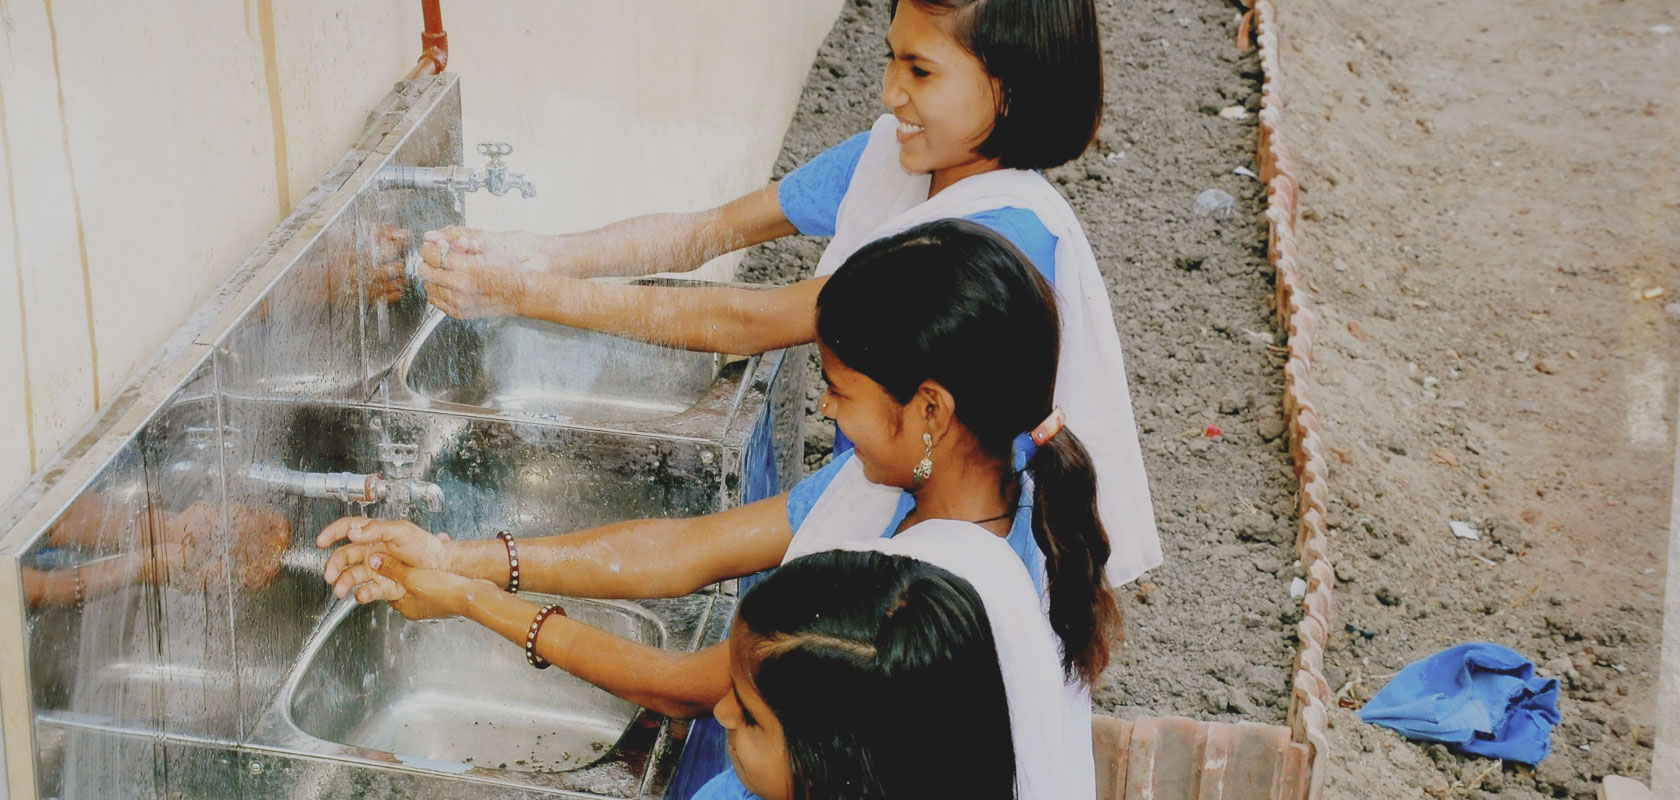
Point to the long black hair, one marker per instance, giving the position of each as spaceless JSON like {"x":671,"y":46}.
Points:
{"x":860,"y":655}
{"x":955,"y":303}
{"x":1046,"y":56}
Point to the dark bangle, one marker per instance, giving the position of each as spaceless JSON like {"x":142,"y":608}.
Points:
{"x":531,"y":635}
{"x":513,"y":561}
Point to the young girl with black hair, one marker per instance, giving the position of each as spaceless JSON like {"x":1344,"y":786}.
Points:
{"x":961,"y":460}
{"x":982,"y":93}
{"x":895,"y":644}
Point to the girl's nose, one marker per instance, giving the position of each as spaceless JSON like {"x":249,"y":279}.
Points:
{"x":724,"y":713}
{"x":891,"y":95}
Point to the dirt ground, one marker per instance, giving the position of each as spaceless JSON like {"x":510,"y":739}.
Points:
{"x":1487,"y":197}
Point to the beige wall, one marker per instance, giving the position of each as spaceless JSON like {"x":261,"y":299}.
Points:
{"x":147,"y":147}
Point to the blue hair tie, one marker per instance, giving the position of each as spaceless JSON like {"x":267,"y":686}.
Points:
{"x":1023,"y":451}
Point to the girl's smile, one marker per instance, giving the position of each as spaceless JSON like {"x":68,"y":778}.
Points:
{"x":945,"y":101}
{"x":907,"y":130}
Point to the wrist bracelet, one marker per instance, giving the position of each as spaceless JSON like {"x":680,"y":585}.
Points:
{"x":79,"y":591}
{"x":531,"y":635}
{"x":513,"y":561}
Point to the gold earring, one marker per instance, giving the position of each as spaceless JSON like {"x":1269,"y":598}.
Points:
{"x":924,"y":469}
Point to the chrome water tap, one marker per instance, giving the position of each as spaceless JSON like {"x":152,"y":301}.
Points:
{"x":494,"y":178}
{"x":399,"y":490}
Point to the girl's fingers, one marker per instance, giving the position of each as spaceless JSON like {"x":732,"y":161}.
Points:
{"x":338,"y":530}
{"x":390,"y":568}
{"x":380,"y":588}
{"x":354,"y":576}
{"x":342,"y":559}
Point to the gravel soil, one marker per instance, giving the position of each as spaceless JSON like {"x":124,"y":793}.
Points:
{"x":1489,"y":201}
{"x":1490,"y":206}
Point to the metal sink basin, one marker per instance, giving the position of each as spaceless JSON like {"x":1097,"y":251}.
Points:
{"x":449,"y":695}
{"x":549,"y":371}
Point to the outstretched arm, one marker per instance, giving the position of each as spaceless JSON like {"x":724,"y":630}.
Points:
{"x":471,"y":274}
{"x":668,"y":242}
{"x":673,"y":684}
{"x":634,"y":559}
{"x":713,"y":319}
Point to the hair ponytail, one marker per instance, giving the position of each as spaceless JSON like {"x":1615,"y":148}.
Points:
{"x":1083,"y":610}
{"x":968,"y":311}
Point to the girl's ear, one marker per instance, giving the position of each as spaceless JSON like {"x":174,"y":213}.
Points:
{"x":934,"y":408}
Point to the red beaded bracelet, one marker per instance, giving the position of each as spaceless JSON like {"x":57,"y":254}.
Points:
{"x":531,"y":635}
{"x":513,"y":561}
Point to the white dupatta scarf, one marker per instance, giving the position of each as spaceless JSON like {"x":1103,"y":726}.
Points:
{"x":1049,"y":716}
{"x":1090,"y":379}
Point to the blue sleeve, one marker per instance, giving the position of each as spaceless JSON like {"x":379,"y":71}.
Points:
{"x":726,"y":786}
{"x":1023,"y":228}
{"x":811,"y":195}
{"x":803,"y":496}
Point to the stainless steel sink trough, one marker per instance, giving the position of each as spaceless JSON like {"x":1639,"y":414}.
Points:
{"x":164,"y":630}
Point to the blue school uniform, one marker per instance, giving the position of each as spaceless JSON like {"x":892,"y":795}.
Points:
{"x":810,"y":197}
{"x":706,"y":738}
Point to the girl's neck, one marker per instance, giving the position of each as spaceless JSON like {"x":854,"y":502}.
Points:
{"x":944,"y":178}
{"x":975,"y":489}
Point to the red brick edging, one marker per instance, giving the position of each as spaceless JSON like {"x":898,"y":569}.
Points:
{"x":1311,"y":694}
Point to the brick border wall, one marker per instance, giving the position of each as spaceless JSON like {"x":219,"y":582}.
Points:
{"x":1311,"y":694}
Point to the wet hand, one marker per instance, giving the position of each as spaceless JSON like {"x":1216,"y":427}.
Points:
{"x":422,"y":593}
{"x":347,"y":568}
{"x":518,"y":247}
{"x":466,"y":281}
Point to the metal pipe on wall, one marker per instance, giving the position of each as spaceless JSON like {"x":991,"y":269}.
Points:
{"x":434,"y":42}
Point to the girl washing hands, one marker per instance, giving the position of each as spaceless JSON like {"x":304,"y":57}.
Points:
{"x":961,"y":461}
{"x":982,"y":93}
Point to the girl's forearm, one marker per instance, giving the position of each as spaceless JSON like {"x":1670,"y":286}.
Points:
{"x":674,"y":684}
{"x":642,"y":558}
{"x":613,"y":561}
{"x":676,"y":242}
{"x":713,"y":319}
{"x":639,"y":246}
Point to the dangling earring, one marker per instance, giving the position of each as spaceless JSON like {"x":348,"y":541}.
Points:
{"x":924,"y":469}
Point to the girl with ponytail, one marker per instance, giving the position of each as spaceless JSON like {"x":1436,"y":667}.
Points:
{"x":944,"y":384}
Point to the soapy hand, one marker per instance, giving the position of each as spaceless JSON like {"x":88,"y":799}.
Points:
{"x":349,"y":570}
{"x":470,"y":273}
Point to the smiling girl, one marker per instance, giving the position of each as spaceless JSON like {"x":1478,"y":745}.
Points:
{"x":961,"y":461}
{"x":982,"y":93}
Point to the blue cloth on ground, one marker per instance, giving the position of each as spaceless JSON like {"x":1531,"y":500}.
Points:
{"x":1480,"y":698}
{"x":810,"y":197}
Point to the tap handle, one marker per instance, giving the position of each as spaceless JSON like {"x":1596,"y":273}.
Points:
{"x":495,"y":150}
